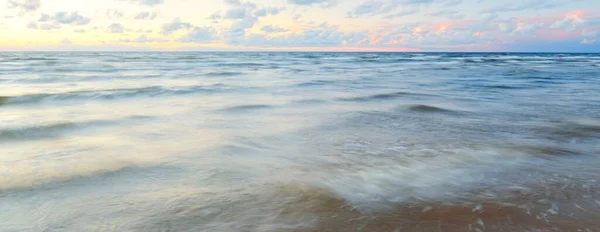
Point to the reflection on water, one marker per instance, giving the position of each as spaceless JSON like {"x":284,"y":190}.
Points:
{"x":299,"y":142}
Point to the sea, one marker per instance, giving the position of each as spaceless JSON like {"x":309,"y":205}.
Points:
{"x":299,"y":141}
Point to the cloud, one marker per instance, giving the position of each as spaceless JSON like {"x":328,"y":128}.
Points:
{"x":273,"y":29}
{"x":238,"y":28}
{"x":570,"y":22}
{"x":66,"y":18}
{"x":588,"y":41}
{"x":115,"y":14}
{"x":432,"y":37}
{"x":49,"y":26}
{"x":378,"y":24}
{"x":487,"y":16}
{"x":51,"y":22}
{"x":32,"y":25}
{"x":143,"y":39}
{"x":235,"y":13}
{"x":589,"y":37}
{"x":296,"y":17}
{"x":243,"y":11}
{"x":199,"y":35}
{"x":402,"y":13}
{"x":25,"y":5}
{"x":322,"y":3}
{"x":453,"y":2}
{"x":233,"y":2}
{"x":215,"y":17}
{"x":244,"y":17}
{"x":307,"y":2}
{"x":116,"y":28}
{"x":43,"y":26}
{"x":369,"y":7}
{"x":138,"y":31}
{"x":174,"y":26}
{"x":267,"y":11}
{"x":146,"y":2}
{"x":407,"y":7}
{"x":66,"y":41}
{"x":322,"y":36}
{"x":146,"y":15}
{"x":528,"y":5}
{"x":585,"y":33}
{"x":518,"y":28}
{"x":451,"y":14}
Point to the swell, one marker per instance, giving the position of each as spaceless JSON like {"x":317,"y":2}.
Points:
{"x":429,"y":109}
{"x":224,"y":74}
{"x":543,"y":150}
{"x":309,"y":101}
{"x":573,"y":129}
{"x":189,"y":58}
{"x":30,"y":59}
{"x":107,"y":94}
{"x":505,"y":87}
{"x":248,"y":64}
{"x":52,"y":129}
{"x":77,"y":173}
{"x":383,"y":96}
{"x":91,"y":78}
{"x":247,"y":108}
{"x":316,"y":83}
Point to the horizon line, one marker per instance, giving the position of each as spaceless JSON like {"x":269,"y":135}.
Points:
{"x":292,"y":51}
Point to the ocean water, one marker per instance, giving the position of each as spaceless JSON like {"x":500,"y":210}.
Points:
{"x":299,"y":141}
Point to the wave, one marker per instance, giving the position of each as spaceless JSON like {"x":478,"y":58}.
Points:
{"x":504,"y":87}
{"x":133,"y":58}
{"x":102,"y":69}
{"x":426,"y":195}
{"x":420,"y":195}
{"x":428,"y":109}
{"x":247,"y":108}
{"x":309,"y":101}
{"x":571,"y":129}
{"x":383,"y":96}
{"x":30,"y":177}
{"x":35,"y":131}
{"x":65,"y":70}
{"x":311,"y":56}
{"x":369,"y":56}
{"x":241,"y":64}
{"x":188,"y":58}
{"x":543,"y":150}
{"x":51,"y":62}
{"x":224,"y":74}
{"x":31,"y":59}
{"x":423,"y":172}
{"x":316,"y":83}
{"x":54,"y":129}
{"x":107,"y":94}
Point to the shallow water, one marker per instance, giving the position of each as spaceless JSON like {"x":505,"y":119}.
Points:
{"x":299,"y":142}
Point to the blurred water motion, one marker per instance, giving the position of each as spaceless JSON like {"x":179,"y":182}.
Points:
{"x":299,"y":142}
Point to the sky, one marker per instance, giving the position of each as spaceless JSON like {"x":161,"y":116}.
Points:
{"x":301,"y":25}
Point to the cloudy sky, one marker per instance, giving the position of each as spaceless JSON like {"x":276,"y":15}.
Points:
{"x":327,"y":25}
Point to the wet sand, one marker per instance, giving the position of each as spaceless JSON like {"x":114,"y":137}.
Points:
{"x":522,"y":212}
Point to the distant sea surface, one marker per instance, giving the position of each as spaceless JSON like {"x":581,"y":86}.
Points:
{"x":256,"y":141}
